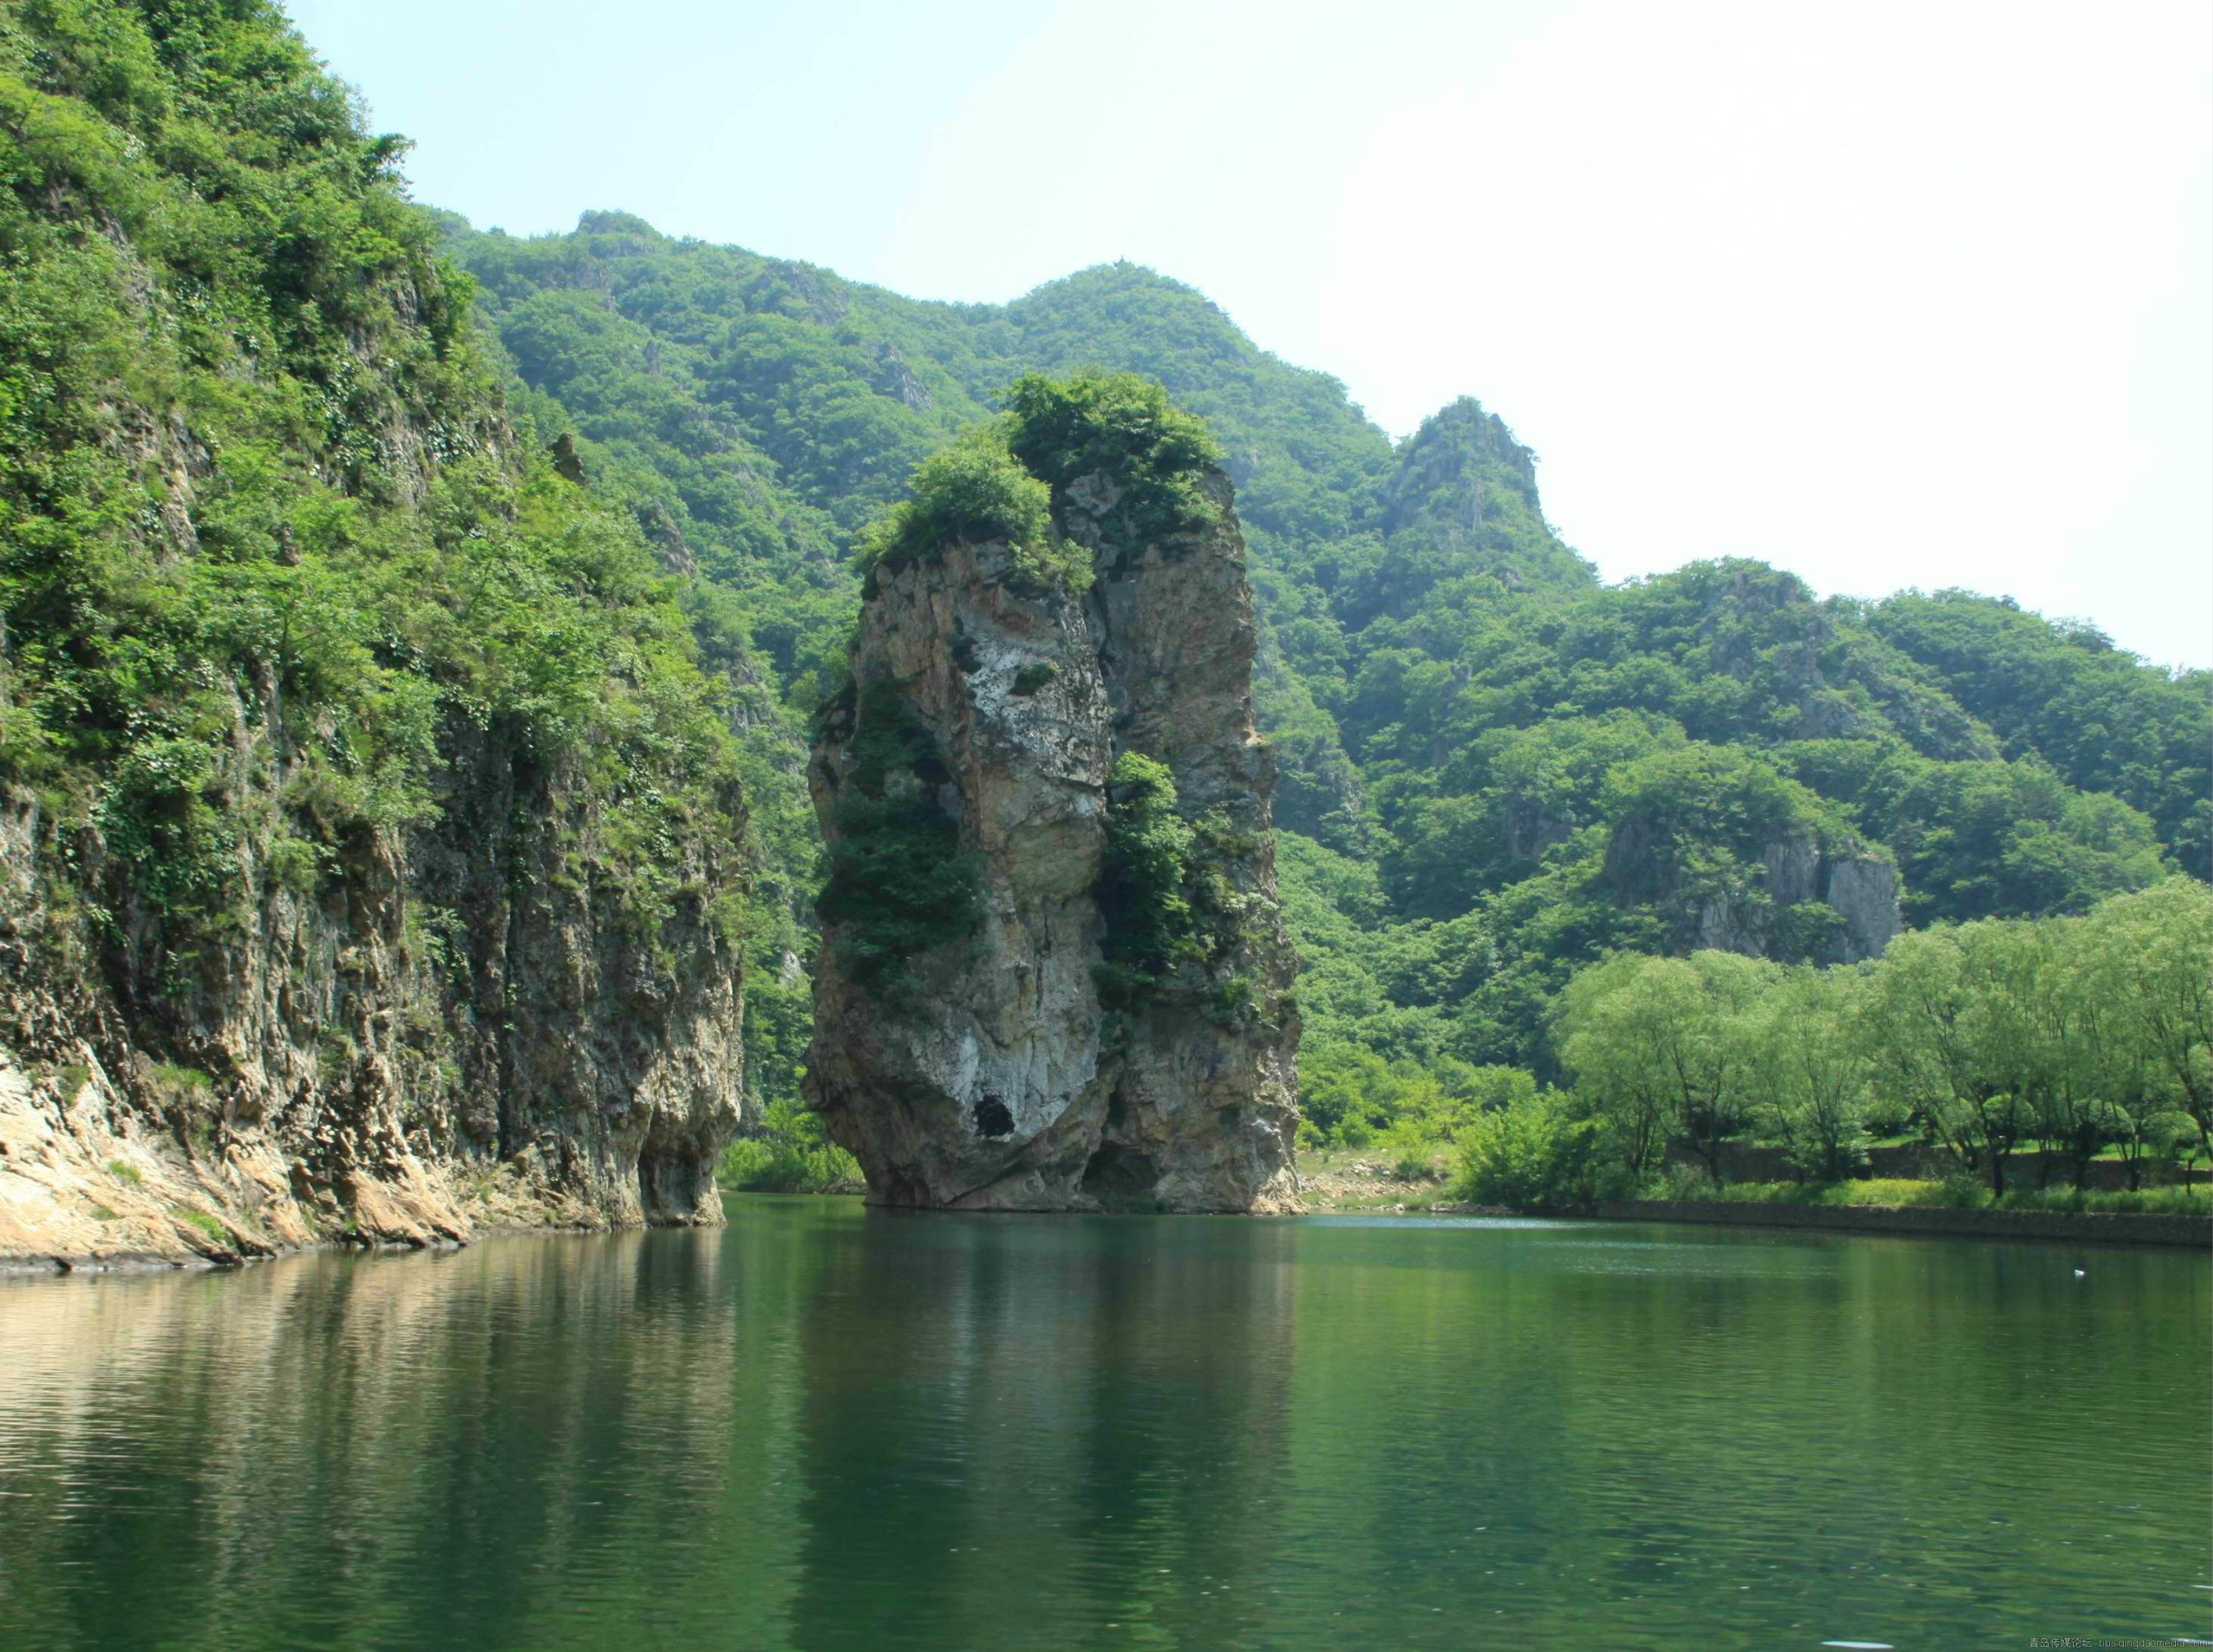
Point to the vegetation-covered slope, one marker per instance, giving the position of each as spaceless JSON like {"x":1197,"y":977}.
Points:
{"x":1493,"y":769}
{"x":318,"y":685}
{"x":280,"y":575}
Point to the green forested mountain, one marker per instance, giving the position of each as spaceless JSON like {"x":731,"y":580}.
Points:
{"x":256,"y":484}
{"x":367,"y":818}
{"x":2099,"y":717}
{"x":1494,"y":769}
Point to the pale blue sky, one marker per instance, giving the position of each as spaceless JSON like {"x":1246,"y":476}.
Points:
{"x":1885,"y":294}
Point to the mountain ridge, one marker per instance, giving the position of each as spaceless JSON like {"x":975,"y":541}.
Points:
{"x":1421,"y":624}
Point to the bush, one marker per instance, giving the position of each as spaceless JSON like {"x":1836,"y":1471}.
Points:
{"x":974,"y":491}
{"x":296,"y":864}
{"x":899,"y":885}
{"x":1123,"y":425}
{"x":1686,"y":1183}
{"x":2163,"y":1201}
{"x":1884,"y":1192}
{"x":179,"y":1081}
{"x":791,"y":1155}
{"x":1411,"y":1149}
{"x":1150,"y":926}
{"x":1531,"y":1156}
{"x":1955,"y":1192}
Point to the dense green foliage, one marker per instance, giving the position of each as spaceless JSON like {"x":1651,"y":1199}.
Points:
{"x":786,"y":1150}
{"x":899,"y":883}
{"x":1957,"y":1193}
{"x":1175,"y":920}
{"x":2099,"y":717}
{"x":2088,"y":1037}
{"x":1124,"y":427}
{"x":1150,"y":926}
{"x":1538,"y":1154}
{"x":974,"y":491}
{"x":268,"y":557}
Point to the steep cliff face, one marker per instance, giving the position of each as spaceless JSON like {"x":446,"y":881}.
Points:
{"x":1835,"y":901}
{"x":369,"y":863}
{"x":452,"y":1032}
{"x":1809,"y":894}
{"x":1011,"y":1063}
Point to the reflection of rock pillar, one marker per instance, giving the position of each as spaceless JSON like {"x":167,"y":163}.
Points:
{"x":1005,"y":1412}
{"x":1187,"y":1442}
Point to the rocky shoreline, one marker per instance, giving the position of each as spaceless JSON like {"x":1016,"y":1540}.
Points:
{"x":91,"y":1183}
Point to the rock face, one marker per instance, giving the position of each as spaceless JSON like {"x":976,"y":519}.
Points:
{"x":1826,"y":896}
{"x":1804,"y":873}
{"x":1007,"y":1070}
{"x":452,"y":1034}
{"x":1859,"y":886}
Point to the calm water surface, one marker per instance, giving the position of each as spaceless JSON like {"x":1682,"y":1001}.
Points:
{"x":827,"y":1427}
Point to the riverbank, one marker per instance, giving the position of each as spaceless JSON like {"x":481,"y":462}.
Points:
{"x":1352,"y":1181}
{"x":1350,"y":1184}
{"x":1355,"y":1183}
{"x":34,"y":1264}
{"x":2092,"y":1227}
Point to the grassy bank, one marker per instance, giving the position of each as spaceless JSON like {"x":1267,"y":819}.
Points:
{"x":2186,"y":1228}
{"x":1898,"y":1194}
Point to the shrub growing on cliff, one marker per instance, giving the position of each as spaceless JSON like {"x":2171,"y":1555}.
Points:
{"x":975,"y":491}
{"x":1124,"y":425}
{"x":1150,"y":924}
{"x":898,"y":884}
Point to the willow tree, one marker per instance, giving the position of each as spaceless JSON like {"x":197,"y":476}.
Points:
{"x":1812,"y":1049}
{"x":1940,"y":1001}
{"x":2148,"y":958}
{"x":1666,"y":1044}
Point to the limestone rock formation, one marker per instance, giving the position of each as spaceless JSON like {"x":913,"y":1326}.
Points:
{"x":451,"y":1035}
{"x":1010,"y":1066}
{"x":1826,"y":896}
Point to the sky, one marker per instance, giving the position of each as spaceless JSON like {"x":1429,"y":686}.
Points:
{"x":1887,"y":295}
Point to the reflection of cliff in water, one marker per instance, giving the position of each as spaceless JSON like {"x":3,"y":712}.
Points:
{"x":413,"y":1450}
{"x":825,"y":1426}
{"x":1019,"y":1422}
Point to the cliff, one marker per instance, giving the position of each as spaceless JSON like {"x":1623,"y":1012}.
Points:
{"x":449,"y":1034}
{"x":369,"y":836}
{"x":1052,"y":727}
{"x":1799,"y":890}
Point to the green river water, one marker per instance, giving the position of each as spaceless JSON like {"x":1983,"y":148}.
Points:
{"x":829,"y":1427}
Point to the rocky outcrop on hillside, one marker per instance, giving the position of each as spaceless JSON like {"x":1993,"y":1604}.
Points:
{"x":1833,"y":902}
{"x":1827,"y":897}
{"x":1012,"y":1064}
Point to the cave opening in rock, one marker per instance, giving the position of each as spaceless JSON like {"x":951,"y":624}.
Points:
{"x":1120,"y":1179}
{"x":993,"y":1118}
